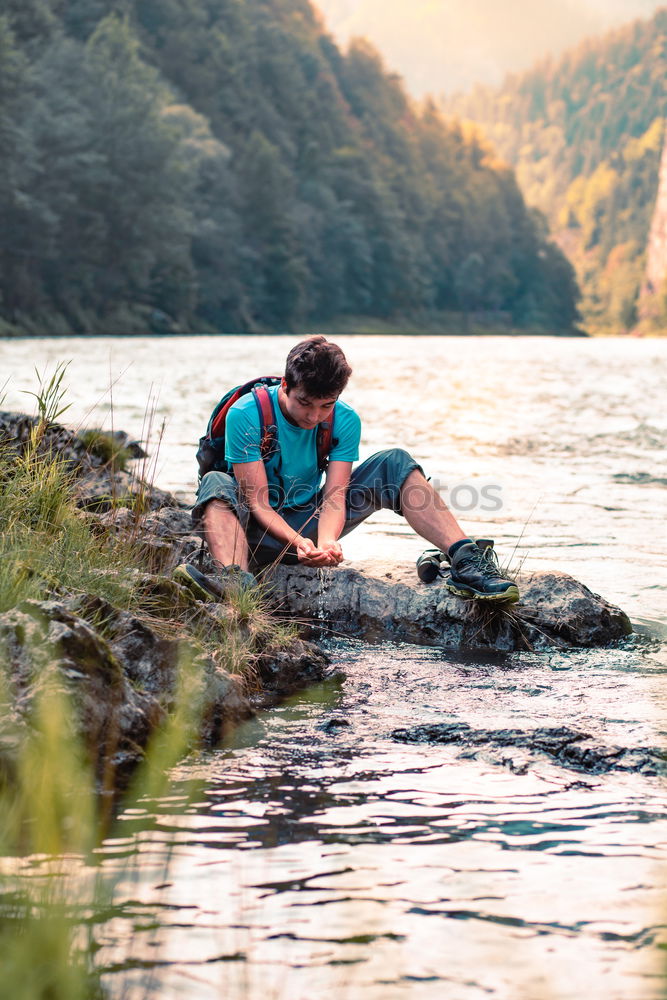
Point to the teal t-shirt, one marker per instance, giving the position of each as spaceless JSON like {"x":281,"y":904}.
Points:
{"x":295,"y":476}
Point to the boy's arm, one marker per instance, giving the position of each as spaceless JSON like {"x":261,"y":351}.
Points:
{"x":251,"y":477}
{"x":332,"y":516}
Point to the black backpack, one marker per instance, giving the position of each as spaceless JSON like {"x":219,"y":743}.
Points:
{"x":211,"y":451}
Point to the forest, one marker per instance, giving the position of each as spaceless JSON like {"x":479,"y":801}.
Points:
{"x":221,"y":166}
{"x":585,"y":135}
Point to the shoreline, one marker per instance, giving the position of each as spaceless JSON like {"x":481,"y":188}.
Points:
{"x":436,"y":325}
{"x":313,"y":330}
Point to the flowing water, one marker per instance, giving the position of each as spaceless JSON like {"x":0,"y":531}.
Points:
{"x":321,"y":858}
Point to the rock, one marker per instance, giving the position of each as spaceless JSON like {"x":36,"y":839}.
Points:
{"x":97,"y":486}
{"x":103,"y":489}
{"x":284,"y":671}
{"x":565,"y":746}
{"x":16,"y":430}
{"x":46,"y":646}
{"x":121,"y":676}
{"x":370,"y":601}
{"x":331,"y":725}
{"x":165,"y":535}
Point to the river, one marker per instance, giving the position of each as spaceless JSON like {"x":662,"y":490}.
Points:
{"x":319,"y":857}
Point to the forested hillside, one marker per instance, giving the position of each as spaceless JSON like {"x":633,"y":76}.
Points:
{"x":220,"y":165}
{"x":585,"y":135}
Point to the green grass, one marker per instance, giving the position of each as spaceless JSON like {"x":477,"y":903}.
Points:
{"x":105,"y":447}
{"x":53,"y":891}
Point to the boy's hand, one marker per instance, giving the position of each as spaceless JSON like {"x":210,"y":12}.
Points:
{"x":328,"y":554}
{"x":333,"y":551}
{"x":308,"y":553}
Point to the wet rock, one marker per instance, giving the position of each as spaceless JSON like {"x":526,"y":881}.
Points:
{"x":564,"y":609}
{"x":331,"y":725}
{"x":567,"y":747}
{"x":120,"y":675}
{"x":370,"y":601}
{"x":281,"y":671}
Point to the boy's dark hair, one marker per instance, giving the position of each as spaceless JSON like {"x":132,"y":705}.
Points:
{"x":318,"y":366}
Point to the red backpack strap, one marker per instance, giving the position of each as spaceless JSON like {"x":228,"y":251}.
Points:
{"x":268,"y":430}
{"x":218,"y":420}
{"x":217,"y":425}
{"x":325,"y":441}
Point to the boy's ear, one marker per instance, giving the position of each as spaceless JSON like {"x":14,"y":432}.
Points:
{"x":283,"y":385}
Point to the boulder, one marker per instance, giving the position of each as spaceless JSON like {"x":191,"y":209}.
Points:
{"x":121,"y":677}
{"x":370,"y":601}
{"x":565,"y":746}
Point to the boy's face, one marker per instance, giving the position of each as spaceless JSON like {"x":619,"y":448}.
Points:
{"x":304,"y":410}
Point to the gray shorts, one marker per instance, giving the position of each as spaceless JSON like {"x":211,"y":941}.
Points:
{"x":374,"y":485}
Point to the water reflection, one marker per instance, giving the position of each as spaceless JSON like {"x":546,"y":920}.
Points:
{"x":322,"y":860}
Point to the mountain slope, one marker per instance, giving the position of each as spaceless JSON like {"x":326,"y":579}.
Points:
{"x":448,"y":45}
{"x":585,"y":135}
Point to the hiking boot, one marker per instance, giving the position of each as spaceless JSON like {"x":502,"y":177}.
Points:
{"x":475,"y":573}
{"x":209,"y":588}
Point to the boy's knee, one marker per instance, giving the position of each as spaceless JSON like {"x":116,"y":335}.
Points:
{"x":401,"y":457}
{"x":219,"y":507}
{"x":397,"y":464}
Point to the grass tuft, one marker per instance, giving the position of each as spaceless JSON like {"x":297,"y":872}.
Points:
{"x":54,"y":816}
{"x":107,"y":448}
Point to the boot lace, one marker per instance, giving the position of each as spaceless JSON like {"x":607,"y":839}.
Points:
{"x":486,"y":561}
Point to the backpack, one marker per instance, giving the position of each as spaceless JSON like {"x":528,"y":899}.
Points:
{"x":211,"y":451}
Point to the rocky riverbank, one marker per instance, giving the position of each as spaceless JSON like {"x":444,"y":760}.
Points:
{"x":119,"y":659}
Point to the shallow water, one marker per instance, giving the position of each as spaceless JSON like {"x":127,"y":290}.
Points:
{"x":319,"y":857}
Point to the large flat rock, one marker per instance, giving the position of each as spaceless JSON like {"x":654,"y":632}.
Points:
{"x":372,"y":601}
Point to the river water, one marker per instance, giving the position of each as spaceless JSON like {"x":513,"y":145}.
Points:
{"x":320,"y":858}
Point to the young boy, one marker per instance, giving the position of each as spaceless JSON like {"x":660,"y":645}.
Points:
{"x":277,"y":510}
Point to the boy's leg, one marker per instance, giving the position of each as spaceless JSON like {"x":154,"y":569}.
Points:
{"x":376,"y":485}
{"x":224,"y":535}
{"x":222,"y":519}
{"x":394,"y":480}
{"x":427,"y":513}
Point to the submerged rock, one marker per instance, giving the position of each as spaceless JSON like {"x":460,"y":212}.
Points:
{"x":371,"y":601}
{"x":565,"y":746}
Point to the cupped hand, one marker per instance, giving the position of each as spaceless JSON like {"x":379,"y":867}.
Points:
{"x":333,"y":551}
{"x":328,"y":554}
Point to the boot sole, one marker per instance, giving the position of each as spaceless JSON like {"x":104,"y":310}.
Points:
{"x":509,"y":596}
{"x":184,"y":578}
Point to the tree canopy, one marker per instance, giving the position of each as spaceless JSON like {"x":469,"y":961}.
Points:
{"x":221,"y":165}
